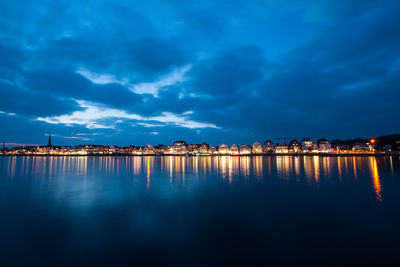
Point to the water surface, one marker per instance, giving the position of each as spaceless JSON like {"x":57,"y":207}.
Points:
{"x":63,"y":211}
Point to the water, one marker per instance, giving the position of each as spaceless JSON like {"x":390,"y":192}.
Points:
{"x":107,"y":211}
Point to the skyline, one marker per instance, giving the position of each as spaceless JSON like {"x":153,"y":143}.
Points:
{"x":114,"y":72}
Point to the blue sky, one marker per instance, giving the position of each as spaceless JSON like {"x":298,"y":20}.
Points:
{"x":150,"y":72}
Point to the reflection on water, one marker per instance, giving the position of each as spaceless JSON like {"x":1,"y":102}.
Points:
{"x":375,"y":179}
{"x":311,"y":170}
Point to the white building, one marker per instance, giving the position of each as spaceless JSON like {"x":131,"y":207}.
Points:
{"x":223,"y":149}
{"x":324,"y":146}
{"x":244,"y":150}
{"x":256,"y":148}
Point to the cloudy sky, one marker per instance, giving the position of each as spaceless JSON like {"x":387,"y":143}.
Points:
{"x":120,"y":72}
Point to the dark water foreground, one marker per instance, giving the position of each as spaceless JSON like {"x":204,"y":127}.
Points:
{"x":204,"y":211}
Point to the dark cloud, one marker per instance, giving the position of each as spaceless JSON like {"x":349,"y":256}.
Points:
{"x":25,"y":102}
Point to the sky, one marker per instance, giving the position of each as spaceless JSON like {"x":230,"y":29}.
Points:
{"x":152,"y":72}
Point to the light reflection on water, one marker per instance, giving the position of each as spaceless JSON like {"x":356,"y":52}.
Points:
{"x":309,"y":169}
{"x":93,"y":211}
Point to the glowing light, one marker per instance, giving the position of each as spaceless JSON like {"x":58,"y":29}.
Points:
{"x":375,"y":179}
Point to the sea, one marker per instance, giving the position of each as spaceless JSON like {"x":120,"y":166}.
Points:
{"x":200,"y":211}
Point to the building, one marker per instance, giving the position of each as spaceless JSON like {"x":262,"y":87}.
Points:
{"x":268,"y":147}
{"x":294,"y":146}
{"x":281,"y":148}
{"x":244,"y":149}
{"x":223,"y":149}
{"x":309,"y":146}
{"x":179,"y":147}
{"x":361,"y":147}
{"x":213,"y":150}
{"x":204,"y":148}
{"x":234,"y":149}
{"x":148,"y":150}
{"x":324,"y":146}
{"x":256,"y":148}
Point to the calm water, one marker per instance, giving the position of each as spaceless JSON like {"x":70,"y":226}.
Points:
{"x":199,"y":210}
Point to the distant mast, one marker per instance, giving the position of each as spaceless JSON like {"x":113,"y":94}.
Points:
{"x":49,"y":142}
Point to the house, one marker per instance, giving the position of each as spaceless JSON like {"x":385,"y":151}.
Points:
{"x":213,"y":150}
{"x":324,"y":146}
{"x":179,"y":147}
{"x":256,"y":148}
{"x":268,"y":147}
{"x":294,"y":146}
{"x":223,"y":149}
{"x":309,"y":146}
{"x":234,"y":149}
{"x":203,"y":148}
{"x":361,"y":147}
{"x":281,"y":148}
{"x":148,"y":150}
{"x":244,"y":149}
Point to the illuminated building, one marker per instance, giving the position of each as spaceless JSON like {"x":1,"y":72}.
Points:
{"x":281,"y":148}
{"x":256,"y":148}
{"x":309,"y":146}
{"x":203,"y":149}
{"x":179,"y":147}
{"x":244,"y":149}
{"x":234,"y":149}
{"x":361,"y":147}
{"x":268,"y":147}
{"x":223,"y":149}
{"x":148,"y":150}
{"x":213,"y":150}
{"x":324,"y":146}
{"x":294,"y":146}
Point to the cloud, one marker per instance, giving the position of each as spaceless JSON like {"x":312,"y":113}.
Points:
{"x":175,"y":77}
{"x":7,"y":113}
{"x":95,"y":116}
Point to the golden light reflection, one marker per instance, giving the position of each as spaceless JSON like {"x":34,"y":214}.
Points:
{"x":326,"y":166}
{"x":355,"y":168}
{"x":316,"y":169}
{"x":148,"y":173}
{"x":312,"y":170}
{"x":283,"y":166}
{"x":308,"y":169}
{"x":375,"y":179}
{"x":257,"y":166}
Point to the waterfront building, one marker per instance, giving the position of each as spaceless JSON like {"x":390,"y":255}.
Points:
{"x":324,"y":146}
{"x":213,"y":150}
{"x":362,"y":147}
{"x":137,"y":151}
{"x":193,"y":148}
{"x":234,"y":149}
{"x":244,"y":149}
{"x":179,"y":147}
{"x":223,"y":149}
{"x":204,"y":148}
{"x":309,"y":146}
{"x":148,"y":150}
{"x":256,"y":148}
{"x":268,"y":147}
{"x":294,"y":146}
{"x":281,"y":148}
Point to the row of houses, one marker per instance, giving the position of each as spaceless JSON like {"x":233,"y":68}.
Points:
{"x":182,"y":148}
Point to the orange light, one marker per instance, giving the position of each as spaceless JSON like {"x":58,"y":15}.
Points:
{"x":372,"y":140}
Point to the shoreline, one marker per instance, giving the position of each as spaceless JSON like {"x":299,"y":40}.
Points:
{"x":218,"y":155}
